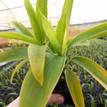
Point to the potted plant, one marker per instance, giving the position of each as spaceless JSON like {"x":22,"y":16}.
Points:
{"x":46,"y":53}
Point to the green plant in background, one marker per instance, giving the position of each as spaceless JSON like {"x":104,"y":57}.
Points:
{"x":9,"y":91}
{"x":46,"y":66}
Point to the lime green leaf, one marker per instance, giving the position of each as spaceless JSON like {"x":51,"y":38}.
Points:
{"x":22,"y":28}
{"x":98,"y":31}
{"x":42,"y":4}
{"x":100,"y":34}
{"x":34,"y":21}
{"x":64,"y":20}
{"x":13,"y":54}
{"x":75,"y":88}
{"x":94,"y":69}
{"x":36,"y":56}
{"x":32,"y":17}
{"x":34,"y":95}
{"x":17,"y":36}
{"x":17,"y":68}
{"x":40,"y":27}
{"x":50,"y":33}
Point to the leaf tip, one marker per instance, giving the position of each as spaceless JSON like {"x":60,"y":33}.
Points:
{"x":39,"y":79}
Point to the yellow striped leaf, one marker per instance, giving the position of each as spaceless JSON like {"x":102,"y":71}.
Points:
{"x":34,"y":95}
{"x":93,"y":68}
{"x":36,"y":56}
{"x":75,"y":88}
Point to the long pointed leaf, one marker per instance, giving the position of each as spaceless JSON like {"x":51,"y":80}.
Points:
{"x":34,"y":21}
{"x":40,"y":27}
{"x":94,"y":69}
{"x":64,"y":20}
{"x":34,"y":95}
{"x":17,"y":36}
{"x":50,"y":33}
{"x":42,"y":4}
{"x":22,"y":28}
{"x":75,"y":88}
{"x":17,"y":69}
{"x":13,"y":54}
{"x":94,"y":32}
{"x":36,"y":56}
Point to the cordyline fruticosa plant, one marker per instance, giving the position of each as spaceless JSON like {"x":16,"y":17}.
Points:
{"x":46,"y":66}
